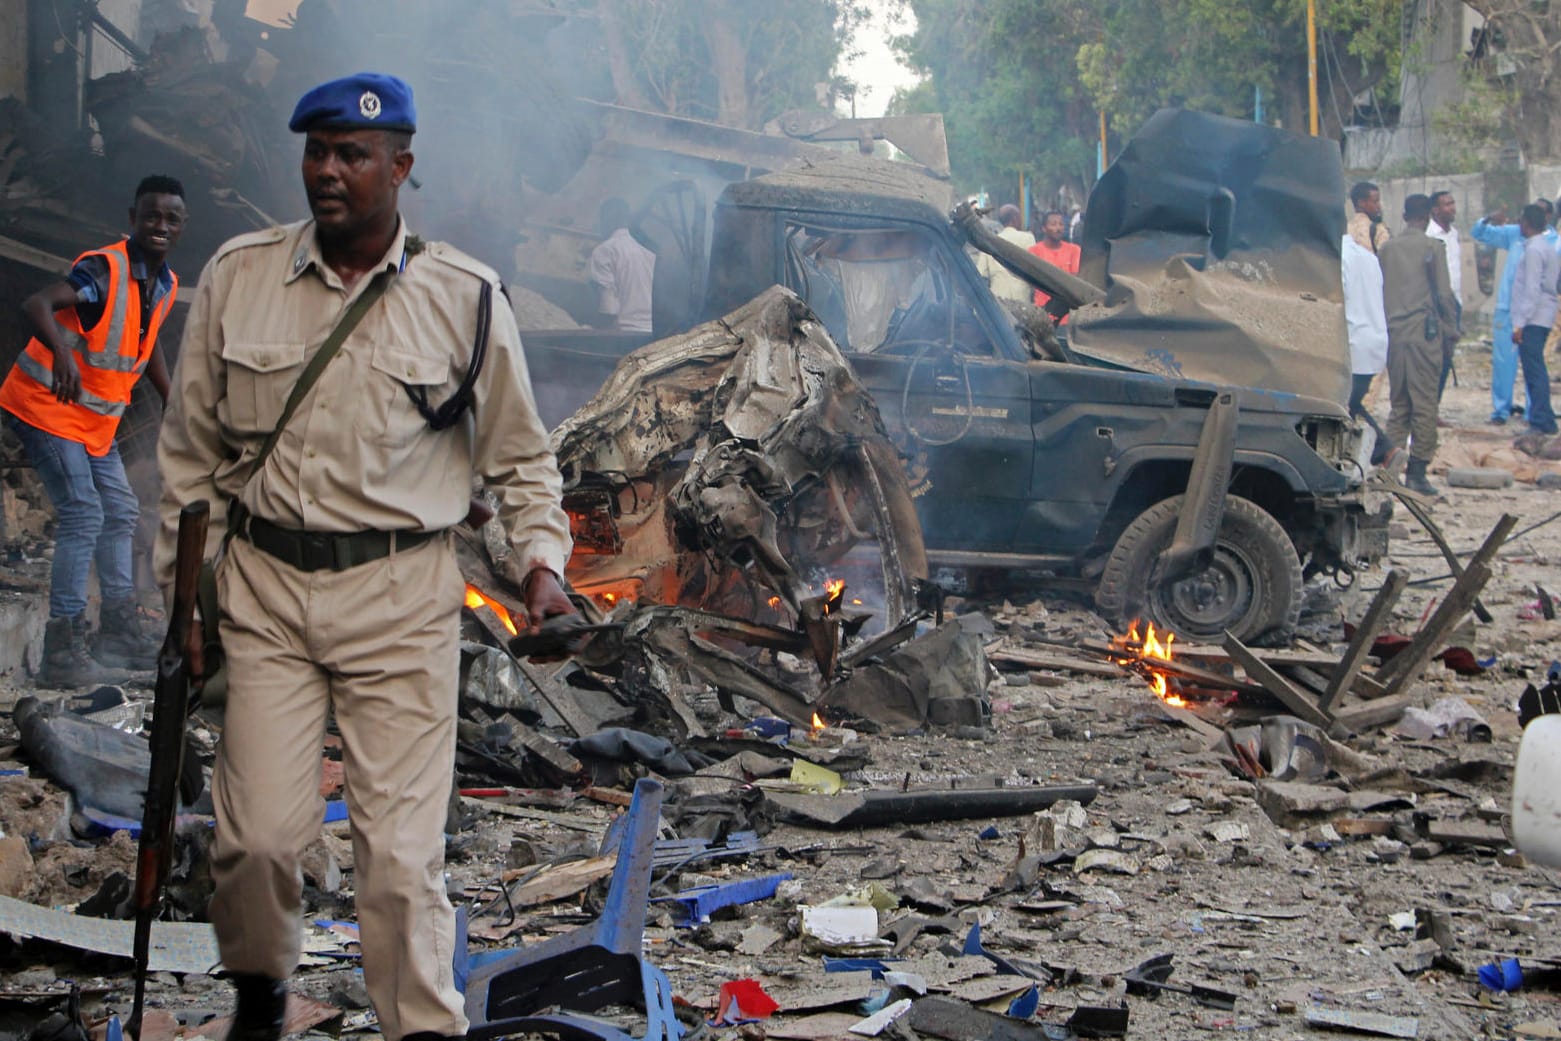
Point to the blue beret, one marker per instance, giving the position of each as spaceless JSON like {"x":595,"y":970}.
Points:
{"x":366,"y":101}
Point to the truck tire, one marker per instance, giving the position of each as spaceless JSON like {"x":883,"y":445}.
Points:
{"x":1252,"y":588}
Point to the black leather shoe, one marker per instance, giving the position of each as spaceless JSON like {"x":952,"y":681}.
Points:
{"x":262,"y":1008}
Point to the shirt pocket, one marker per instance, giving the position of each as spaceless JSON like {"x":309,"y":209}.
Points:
{"x":260,"y":377}
{"x":391,"y":418}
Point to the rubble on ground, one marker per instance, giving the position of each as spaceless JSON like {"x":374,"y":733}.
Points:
{"x":1166,"y":870}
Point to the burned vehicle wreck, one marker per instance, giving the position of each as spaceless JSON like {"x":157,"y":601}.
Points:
{"x":1122,"y":461}
{"x":743,"y":526}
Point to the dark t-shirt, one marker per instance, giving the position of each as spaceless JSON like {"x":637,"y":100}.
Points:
{"x":90,"y":280}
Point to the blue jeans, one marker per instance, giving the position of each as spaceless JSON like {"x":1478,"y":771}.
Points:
{"x":1536,"y":380}
{"x":95,"y":517}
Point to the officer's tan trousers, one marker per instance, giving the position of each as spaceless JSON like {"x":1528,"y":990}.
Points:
{"x":378,"y":643}
{"x":1414,"y":373}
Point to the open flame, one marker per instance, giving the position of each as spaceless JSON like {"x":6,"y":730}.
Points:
{"x":1143,"y":653}
{"x":834,"y":587}
{"x":476,"y":598}
{"x":818,"y":724}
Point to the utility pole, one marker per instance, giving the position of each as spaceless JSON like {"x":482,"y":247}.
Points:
{"x":1311,"y":62}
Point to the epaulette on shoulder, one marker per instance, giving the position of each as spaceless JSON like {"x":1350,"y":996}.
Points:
{"x":264,"y":237}
{"x":448,"y":254}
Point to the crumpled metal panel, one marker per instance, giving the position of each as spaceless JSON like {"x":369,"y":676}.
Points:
{"x":1217,"y":243}
{"x":742,"y":455}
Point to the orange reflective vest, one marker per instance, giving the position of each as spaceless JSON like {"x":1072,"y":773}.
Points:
{"x":111,"y":357}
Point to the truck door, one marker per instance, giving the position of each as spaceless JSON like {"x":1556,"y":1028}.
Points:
{"x":903,"y":315}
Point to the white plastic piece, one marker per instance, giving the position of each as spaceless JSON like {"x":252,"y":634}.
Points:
{"x":1536,"y":792}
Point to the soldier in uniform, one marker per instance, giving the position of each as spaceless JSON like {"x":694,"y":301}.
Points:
{"x":1422,"y":326}
{"x":338,"y":589}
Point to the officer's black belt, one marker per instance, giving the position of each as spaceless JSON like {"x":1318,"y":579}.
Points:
{"x":324,"y":550}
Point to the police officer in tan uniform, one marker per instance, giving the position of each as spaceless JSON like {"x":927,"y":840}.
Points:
{"x":339,"y":591}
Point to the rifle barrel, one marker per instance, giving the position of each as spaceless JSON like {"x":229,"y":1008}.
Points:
{"x":170,"y":706}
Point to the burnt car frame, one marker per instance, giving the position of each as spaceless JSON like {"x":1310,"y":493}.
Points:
{"x":1025,"y":454}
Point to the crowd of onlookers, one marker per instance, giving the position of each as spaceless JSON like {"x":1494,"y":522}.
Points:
{"x":1403,"y":306}
{"x":1057,"y":245}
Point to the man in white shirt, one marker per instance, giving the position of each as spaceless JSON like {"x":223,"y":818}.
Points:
{"x":1367,"y":326}
{"x":623,"y":271}
{"x":1444,"y":209}
{"x":1005,"y":285}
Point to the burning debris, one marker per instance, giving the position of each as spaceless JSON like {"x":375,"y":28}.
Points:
{"x":720,"y":488}
{"x":1144,"y":657}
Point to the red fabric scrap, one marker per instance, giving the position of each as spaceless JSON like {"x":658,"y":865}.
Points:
{"x":743,"y":1000}
{"x":1461,"y":660}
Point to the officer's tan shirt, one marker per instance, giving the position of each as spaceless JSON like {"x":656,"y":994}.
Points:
{"x":1371,"y":235}
{"x":356,"y":454}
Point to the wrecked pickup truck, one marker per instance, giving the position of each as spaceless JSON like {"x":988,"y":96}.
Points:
{"x":1129,"y":461}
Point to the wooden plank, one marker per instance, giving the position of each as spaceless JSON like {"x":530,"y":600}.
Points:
{"x":1311,"y":657}
{"x":1371,"y":624}
{"x":1367,"y":688}
{"x":1363,"y":685}
{"x":1372,"y":713}
{"x":1362,"y":826}
{"x":548,"y":751}
{"x":610,"y":796}
{"x":1194,"y":722}
{"x":1206,"y":678}
{"x":1491,"y":546}
{"x":1298,"y":703}
{"x":1428,"y":641}
{"x":1309,"y":678}
{"x":1178,"y":667}
{"x":1034,"y":660}
{"x":553,"y":882}
{"x":1467,"y":833}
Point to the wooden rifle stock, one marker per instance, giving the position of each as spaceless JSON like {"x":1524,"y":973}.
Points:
{"x":170,"y":707}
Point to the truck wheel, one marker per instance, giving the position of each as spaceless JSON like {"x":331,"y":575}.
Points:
{"x":1252,"y":587}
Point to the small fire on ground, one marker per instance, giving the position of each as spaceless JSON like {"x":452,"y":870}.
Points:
{"x":1140,"y":655}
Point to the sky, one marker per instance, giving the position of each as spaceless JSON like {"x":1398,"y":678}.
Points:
{"x":875,"y":68}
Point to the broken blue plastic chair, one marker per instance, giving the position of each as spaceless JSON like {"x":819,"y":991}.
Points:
{"x":550,"y":987}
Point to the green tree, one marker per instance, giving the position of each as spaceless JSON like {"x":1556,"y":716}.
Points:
{"x":1516,"y":56}
{"x":736,"y":62}
{"x":1021,"y":82}
{"x":1001,"y":72}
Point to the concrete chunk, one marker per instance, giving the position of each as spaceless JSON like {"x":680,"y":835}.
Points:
{"x":1290,"y":802}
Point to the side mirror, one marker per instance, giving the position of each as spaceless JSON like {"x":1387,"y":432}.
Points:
{"x":1536,"y":792}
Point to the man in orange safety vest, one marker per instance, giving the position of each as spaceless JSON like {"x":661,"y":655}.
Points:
{"x":95,"y":335}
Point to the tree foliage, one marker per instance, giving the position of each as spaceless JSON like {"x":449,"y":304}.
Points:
{"x":736,"y":62}
{"x":1517,"y":61}
{"x":1022,"y":82}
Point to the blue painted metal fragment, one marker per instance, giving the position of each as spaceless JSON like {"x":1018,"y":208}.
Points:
{"x":694,"y":906}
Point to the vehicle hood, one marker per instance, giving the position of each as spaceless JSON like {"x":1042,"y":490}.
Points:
{"x":1217,"y":242}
